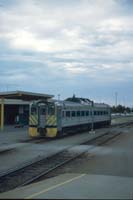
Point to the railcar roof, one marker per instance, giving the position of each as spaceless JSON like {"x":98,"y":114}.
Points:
{"x":70,"y":103}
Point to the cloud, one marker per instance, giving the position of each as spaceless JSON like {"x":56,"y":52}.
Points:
{"x":66,"y":42}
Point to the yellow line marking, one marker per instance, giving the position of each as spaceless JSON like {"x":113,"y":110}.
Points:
{"x":53,"y":187}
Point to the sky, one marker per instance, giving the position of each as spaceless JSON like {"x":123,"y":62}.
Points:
{"x":66,"y":47}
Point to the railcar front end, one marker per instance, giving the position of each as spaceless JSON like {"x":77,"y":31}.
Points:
{"x":43,"y":119}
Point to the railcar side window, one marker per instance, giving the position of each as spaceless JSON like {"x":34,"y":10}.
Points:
{"x":67,"y":113}
{"x":63,"y":114}
{"x":78,"y":113}
{"x":82,"y":113}
{"x":73,"y":114}
{"x":87,"y":113}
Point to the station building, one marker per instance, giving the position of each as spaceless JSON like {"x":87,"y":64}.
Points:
{"x":14,"y":108}
{"x":16,"y":104}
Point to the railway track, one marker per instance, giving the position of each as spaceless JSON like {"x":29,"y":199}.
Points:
{"x":42,"y":167}
{"x":122,"y":124}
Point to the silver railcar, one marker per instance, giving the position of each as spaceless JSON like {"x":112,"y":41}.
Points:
{"x":57,"y":118}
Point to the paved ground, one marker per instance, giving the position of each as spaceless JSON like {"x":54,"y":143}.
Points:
{"x":12,"y":135}
{"x":17,"y":149}
{"x":76,"y":186}
{"x":103,"y":173}
{"x":20,"y":153}
{"x":114,"y":158}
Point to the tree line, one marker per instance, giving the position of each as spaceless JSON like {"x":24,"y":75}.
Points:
{"x":121,"y":109}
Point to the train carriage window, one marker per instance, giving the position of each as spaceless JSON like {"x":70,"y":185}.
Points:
{"x":63,"y":114}
{"x":82,"y":113}
{"x":73,"y":114}
{"x":67,"y":113}
{"x":94,"y":112}
{"x":87,"y":113}
{"x":78,"y":113}
{"x":90,"y":112}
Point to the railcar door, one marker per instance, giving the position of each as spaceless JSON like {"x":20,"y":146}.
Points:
{"x":42,"y":116}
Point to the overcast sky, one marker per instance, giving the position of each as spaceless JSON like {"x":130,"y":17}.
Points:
{"x":66,"y":47}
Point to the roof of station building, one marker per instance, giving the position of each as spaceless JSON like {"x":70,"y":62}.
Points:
{"x":24,"y":95}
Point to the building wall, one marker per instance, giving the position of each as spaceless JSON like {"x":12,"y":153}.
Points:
{"x":12,"y":111}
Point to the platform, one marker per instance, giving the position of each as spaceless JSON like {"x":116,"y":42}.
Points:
{"x":76,"y":186}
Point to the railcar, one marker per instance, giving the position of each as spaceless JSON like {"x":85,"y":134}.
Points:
{"x":56,"y":118}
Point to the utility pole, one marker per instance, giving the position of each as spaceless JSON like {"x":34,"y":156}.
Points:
{"x":116,"y":94}
{"x":58,"y":96}
{"x":124,"y":102}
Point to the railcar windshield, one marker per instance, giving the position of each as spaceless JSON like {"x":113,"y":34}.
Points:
{"x":51,"y":109}
{"x":33,"y":110}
